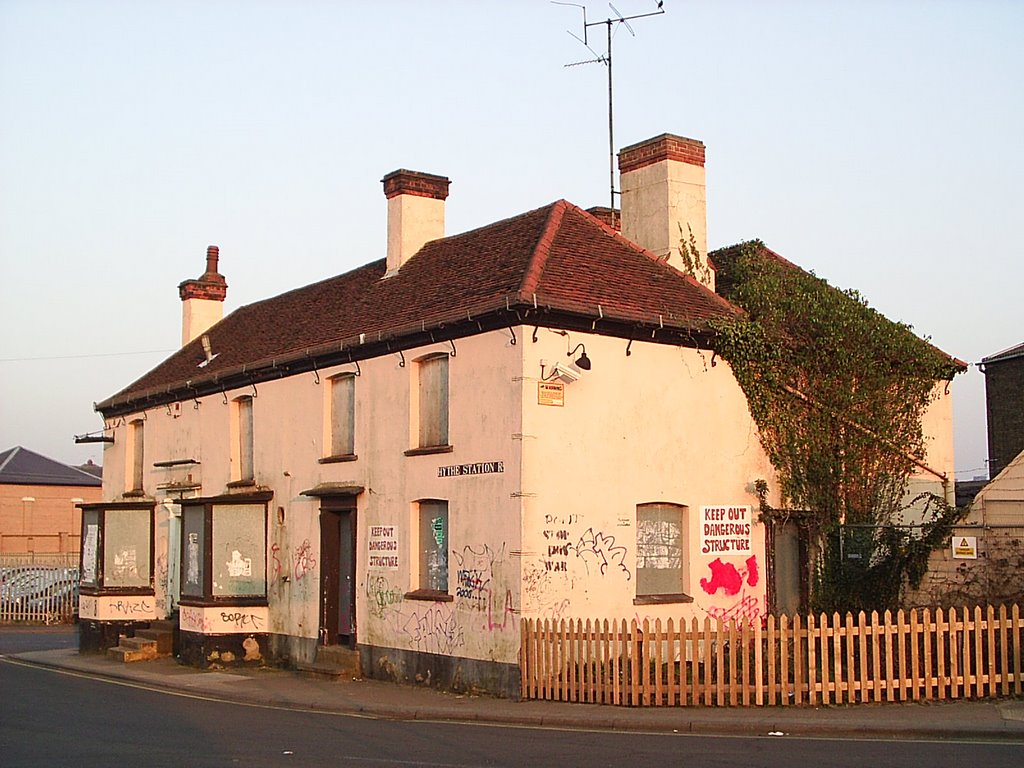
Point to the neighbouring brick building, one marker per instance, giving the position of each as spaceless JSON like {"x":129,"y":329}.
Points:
{"x":1004,"y":403}
{"x":37,"y":502}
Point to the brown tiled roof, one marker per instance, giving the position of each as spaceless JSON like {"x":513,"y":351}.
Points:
{"x":555,"y":259}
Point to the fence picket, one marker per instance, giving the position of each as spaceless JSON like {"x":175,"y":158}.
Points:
{"x":979,"y":663}
{"x":1017,"y":650}
{"x":990,"y":666}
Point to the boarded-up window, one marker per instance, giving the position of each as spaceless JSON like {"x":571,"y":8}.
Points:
{"x":127,"y":548}
{"x":433,"y":396}
{"x":90,"y":547}
{"x":343,"y":411}
{"x":138,"y":455}
{"x":433,"y":524}
{"x":245,"y":444}
{"x":193,"y":551}
{"x":660,"y":554}
{"x":224,"y":550}
{"x":239,"y":556}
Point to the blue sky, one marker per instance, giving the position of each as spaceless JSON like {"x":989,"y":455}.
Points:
{"x":875,"y":143}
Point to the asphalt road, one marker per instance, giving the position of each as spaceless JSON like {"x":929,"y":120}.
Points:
{"x":49,"y":718}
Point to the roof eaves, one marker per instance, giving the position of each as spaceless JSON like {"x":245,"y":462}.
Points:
{"x":1007,"y":354}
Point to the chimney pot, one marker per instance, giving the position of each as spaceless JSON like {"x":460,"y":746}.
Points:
{"x":202,"y":299}
{"x":212,"y":256}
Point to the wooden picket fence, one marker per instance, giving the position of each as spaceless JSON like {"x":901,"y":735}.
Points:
{"x":914,"y":655}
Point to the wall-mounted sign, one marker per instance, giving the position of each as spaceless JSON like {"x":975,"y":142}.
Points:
{"x":383,"y":546}
{"x":550,"y":393}
{"x":480,"y":468}
{"x":965,"y":547}
{"x":725,"y":530}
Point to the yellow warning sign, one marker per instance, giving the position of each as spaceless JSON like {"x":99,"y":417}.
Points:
{"x":965,"y":547}
{"x":550,"y":393}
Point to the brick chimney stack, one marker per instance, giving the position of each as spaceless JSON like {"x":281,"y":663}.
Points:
{"x":664,"y":199}
{"x":415,"y":213}
{"x":202,"y":300}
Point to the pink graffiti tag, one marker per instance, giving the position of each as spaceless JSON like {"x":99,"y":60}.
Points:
{"x":747,"y":610}
{"x":304,"y":562}
{"x":730,"y":578}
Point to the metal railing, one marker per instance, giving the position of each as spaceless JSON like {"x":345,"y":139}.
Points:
{"x":38,"y":589}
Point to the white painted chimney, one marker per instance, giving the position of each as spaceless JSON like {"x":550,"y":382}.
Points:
{"x":202,"y":300}
{"x":663,"y":194}
{"x":415,"y":213}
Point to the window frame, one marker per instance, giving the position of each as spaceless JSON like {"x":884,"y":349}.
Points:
{"x":333,"y":448}
{"x":206,"y":509}
{"x":432,"y":432}
{"x":243,"y":469}
{"x":659,"y":597}
{"x":425,"y":589}
{"x":96,"y":514}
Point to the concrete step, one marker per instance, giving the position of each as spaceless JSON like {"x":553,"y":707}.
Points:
{"x":133,"y":649}
{"x":333,"y":662}
{"x":164,"y":639}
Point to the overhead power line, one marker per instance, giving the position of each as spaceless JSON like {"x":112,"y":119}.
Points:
{"x":84,"y":357}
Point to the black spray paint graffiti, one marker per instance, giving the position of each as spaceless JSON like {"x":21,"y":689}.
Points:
{"x":433,"y":630}
{"x":600,"y":548}
{"x":479,"y":587}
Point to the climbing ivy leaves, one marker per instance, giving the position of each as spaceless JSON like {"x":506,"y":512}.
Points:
{"x":838,"y":392}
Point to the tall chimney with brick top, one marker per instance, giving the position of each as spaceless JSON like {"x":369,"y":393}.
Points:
{"x":202,"y":300}
{"x":663,"y":200}
{"x":415,"y":213}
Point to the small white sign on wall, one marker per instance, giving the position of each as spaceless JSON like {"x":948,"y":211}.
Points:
{"x":965,"y":547}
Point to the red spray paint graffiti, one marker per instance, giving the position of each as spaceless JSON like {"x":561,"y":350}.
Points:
{"x":730,"y":578}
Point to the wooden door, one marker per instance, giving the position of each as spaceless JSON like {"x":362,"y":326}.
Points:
{"x":337,"y":575}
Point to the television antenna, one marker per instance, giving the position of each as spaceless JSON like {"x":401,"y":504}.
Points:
{"x":606,"y":59}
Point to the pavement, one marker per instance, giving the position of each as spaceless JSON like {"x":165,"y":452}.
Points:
{"x":988,"y":720}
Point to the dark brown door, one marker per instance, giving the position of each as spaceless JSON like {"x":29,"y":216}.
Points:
{"x":337,"y":575}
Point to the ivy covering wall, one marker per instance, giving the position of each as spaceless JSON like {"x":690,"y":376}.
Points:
{"x":838,"y":392}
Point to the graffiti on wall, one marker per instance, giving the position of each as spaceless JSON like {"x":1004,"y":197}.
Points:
{"x":304,"y":561}
{"x":299,"y":562}
{"x":381,"y":594}
{"x":482,"y":586}
{"x":599,"y":549}
{"x":434,"y":629}
{"x":733,"y":580}
{"x":729,"y":577}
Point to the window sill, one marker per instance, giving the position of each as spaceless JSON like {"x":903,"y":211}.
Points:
{"x":662,"y":599}
{"x":242,"y":484}
{"x":339,"y":458}
{"x":426,"y":451}
{"x":433,"y":595}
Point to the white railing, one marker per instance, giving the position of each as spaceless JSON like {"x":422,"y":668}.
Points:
{"x":38,"y":589}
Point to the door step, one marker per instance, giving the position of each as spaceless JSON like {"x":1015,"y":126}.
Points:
{"x":333,"y":662}
{"x":148,"y":644}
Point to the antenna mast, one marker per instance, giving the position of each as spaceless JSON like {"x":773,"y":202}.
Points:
{"x":606,"y":59}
